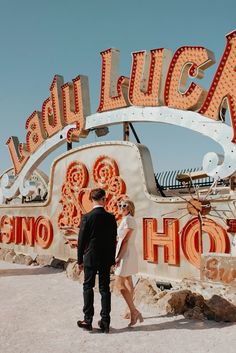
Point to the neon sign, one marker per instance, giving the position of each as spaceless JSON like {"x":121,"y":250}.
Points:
{"x":157,"y":78}
{"x":29,"y":231}
{"x":158,"y":90}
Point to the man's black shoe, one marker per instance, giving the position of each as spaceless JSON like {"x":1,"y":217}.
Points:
{"x":85,"y":325}
{"x":104,"y":326}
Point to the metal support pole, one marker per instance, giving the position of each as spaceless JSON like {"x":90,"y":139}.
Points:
{"x":200,"y":247}
{"x":134,"y":132}
{"x":126,"y":131}
{"x":69,"y":146}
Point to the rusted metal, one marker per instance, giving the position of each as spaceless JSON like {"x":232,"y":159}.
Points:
{"x":168,"y":179}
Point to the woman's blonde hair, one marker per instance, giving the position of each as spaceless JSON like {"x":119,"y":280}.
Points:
{"x":130,"y":205}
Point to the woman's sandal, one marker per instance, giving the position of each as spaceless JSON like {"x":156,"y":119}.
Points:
{"x":137,"y":316}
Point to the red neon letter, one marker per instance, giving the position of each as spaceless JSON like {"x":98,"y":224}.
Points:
{"x":169,"y":239}
{"x":219,"y":240}
{"x":27,"y":230}
{"x":43,"y":232}
{"x":7,"y":230}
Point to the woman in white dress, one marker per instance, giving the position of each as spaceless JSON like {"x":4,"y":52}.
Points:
{"x":127,"y":258}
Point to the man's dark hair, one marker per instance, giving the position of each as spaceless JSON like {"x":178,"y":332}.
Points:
{"x":97,"y":194}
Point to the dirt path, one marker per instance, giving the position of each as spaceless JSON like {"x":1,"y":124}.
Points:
{"x":39,"y":308}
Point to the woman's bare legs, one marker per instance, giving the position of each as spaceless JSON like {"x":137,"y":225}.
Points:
{"x":129,"y":285}
{"x":121,"y":284}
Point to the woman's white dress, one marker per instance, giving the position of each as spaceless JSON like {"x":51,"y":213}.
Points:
{"x":129,"y":263}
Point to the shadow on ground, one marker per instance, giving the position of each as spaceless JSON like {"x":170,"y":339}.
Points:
{"x":176,"y":324}
{"x":46,"y":270}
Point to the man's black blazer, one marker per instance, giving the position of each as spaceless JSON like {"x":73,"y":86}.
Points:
{"x":97,"y":238}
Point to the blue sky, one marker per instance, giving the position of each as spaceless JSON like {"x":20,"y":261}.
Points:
{"x":42,"y":38}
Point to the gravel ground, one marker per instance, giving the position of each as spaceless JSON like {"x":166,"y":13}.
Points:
{"x":39,"y":308}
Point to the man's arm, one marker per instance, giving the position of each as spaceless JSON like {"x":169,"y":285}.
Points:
{"x":114,"y":235}
{"x":82,"y":239}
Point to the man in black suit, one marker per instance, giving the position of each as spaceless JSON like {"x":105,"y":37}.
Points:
{"x":96,"y":253}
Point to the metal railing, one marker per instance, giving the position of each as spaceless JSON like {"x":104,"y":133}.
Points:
{"x":167,"y":179}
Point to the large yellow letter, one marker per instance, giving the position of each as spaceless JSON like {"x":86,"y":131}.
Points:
{"x":35,"y":135}
{"x":18,"y":152}
{"x":187,"y":62}
{"x":76,"y":106}
{"x":148,"y":76}
{"x":114,"y":93}
{"x":52,"y":115}
{"x":222,"y":93}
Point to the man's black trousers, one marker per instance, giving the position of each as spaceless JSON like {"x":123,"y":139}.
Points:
{"x":104,"y":289}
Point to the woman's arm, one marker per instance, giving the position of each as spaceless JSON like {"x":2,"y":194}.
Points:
{"x":127,"y":234}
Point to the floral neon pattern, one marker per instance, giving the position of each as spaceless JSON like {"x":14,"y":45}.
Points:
{"x":75,"y":192}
